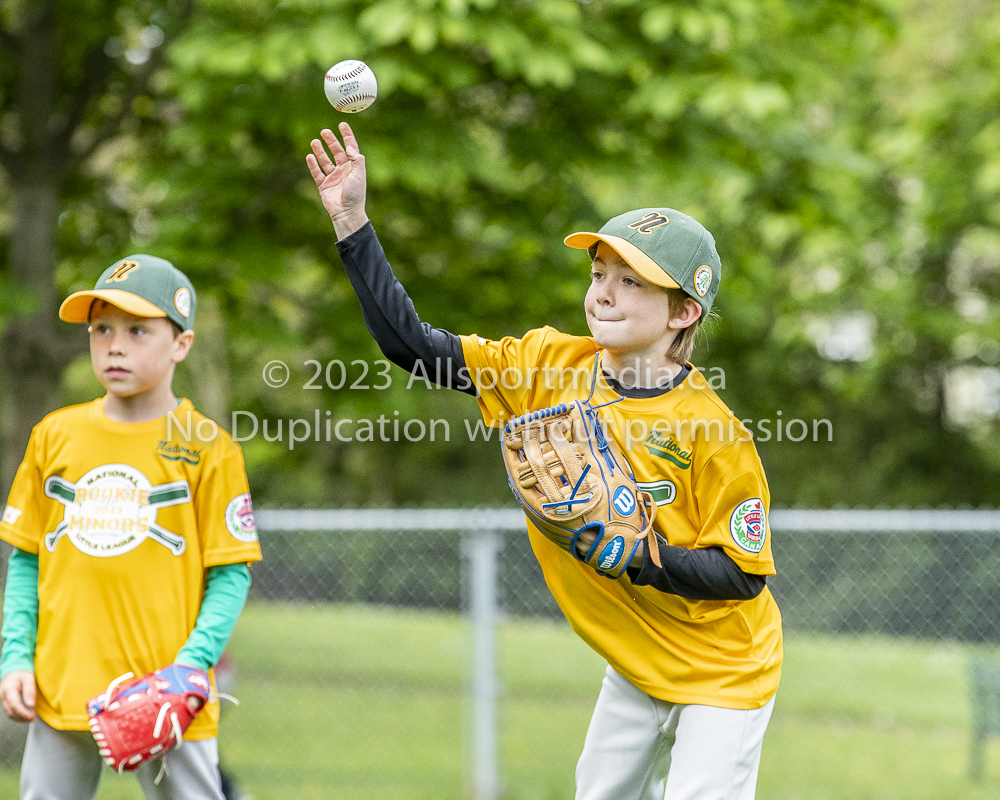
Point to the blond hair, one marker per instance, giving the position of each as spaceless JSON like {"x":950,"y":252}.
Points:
{"x":683,"y":344}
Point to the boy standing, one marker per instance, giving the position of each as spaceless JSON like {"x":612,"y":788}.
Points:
{"x":694,"y":644}
{"x":132,"y":528}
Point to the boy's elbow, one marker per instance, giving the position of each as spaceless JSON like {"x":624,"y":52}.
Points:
{"x":750,"y":587}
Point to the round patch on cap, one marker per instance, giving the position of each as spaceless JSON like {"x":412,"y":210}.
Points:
{"x":703,"y":280}
{"x":182,"y":301}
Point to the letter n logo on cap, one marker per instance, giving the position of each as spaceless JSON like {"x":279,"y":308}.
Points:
{"x":122,"y":271}
{"x":649,"y":222}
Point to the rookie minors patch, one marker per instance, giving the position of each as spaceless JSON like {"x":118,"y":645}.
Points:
{"x":748,"y":525}
{"x":239,"y":519}
{"x":112,"y":510}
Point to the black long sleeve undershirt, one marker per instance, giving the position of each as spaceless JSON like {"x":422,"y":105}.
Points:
{"x":391,"y":319}
{"x":704,"y":574}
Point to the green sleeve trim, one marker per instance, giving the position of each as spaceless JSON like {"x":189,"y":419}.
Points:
{"x":226,"y":589}
{"x":20,"y":613}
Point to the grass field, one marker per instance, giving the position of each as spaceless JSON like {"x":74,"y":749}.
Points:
{"x":360,"y":703}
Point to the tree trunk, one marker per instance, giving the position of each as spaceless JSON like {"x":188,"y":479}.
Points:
{"x":37,"y":154}
{"x":32,"y":350}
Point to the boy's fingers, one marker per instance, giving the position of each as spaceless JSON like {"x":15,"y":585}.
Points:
{"x":28,"y":691}
{"x":14,"y":708}
{"x":320,"y":154}
{"x":339,"y":156}
{"x":350,"y":140}
{"x":314,"y":170}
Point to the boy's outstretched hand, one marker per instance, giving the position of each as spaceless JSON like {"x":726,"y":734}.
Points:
{"x":17,"y":692}
{"x":341,"y":181}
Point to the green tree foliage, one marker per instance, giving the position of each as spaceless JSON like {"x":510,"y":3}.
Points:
{"x":915,"y":255}
{"x":74,"y":82}
{"x":800,"y":133}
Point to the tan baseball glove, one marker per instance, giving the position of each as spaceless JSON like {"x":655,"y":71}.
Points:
{"x":571,"y":478}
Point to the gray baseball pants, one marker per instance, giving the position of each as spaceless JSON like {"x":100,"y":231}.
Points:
{"x":65,"y":765}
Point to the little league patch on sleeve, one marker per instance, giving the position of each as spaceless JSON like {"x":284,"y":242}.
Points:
{"x":748,"y":525}
{"x":239,"y":519}
{"x":10,"y":514}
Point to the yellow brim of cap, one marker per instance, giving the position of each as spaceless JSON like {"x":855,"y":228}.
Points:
{"x":633,"y":256}
{"x":76,"y":307}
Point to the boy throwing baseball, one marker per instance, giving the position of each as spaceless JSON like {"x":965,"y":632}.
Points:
{"x":132,"y":529}
{"x":690,"y":631}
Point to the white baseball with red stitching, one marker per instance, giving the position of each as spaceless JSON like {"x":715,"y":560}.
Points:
{"x":350,"y":86}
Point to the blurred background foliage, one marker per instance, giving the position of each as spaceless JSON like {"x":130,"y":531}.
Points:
{"x":844,"y":153}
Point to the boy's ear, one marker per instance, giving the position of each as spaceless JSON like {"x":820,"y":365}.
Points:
{"x":688,"y":314}
{"x":182,"y":346}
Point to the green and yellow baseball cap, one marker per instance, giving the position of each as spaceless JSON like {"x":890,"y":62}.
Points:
{"x":143,"y":285}
{"x":666,"y":247}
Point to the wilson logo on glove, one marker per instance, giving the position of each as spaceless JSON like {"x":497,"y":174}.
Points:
{"x":612,"y":553}
{"x":623,"y":500}
{"x":569,"y":477}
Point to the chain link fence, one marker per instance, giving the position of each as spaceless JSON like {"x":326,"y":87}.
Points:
{"x":370,"y":662}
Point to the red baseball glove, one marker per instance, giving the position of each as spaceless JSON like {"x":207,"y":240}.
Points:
{"x":139,"y":719}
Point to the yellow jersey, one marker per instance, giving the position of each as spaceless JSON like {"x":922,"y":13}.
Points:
{"x":697,"y":460}
{"x":124,"y":518}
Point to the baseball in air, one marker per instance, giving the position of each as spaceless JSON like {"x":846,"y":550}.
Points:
{"x":350,"y":86}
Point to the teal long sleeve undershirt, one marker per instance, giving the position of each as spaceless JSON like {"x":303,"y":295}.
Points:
{"x":20,"y":613}
{"x":226,"y":589}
